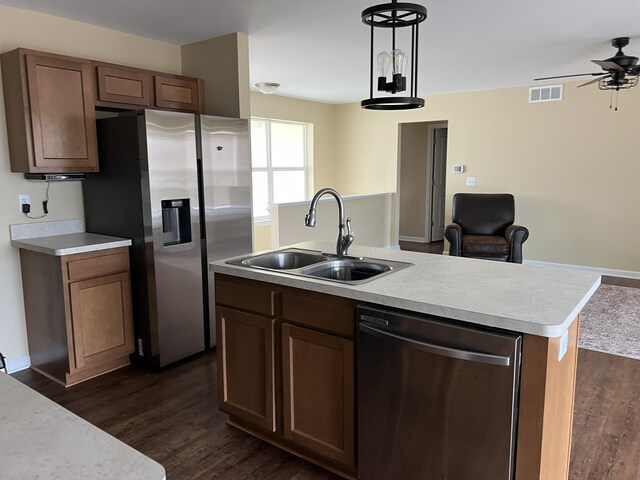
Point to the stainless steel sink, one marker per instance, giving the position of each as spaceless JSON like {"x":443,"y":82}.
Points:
{"x":284,"y":260}
{"x":322,"y":266}
{"x":347,"y":270}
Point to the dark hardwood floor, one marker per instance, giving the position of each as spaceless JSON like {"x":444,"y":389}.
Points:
{"x":171,"y":416}
{"x":433,"y":247}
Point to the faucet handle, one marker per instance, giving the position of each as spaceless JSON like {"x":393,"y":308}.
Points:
{"x":347,"y":240}
{"x":349,"y":230}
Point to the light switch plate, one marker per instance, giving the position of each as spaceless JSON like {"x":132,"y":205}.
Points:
{"x":471,"y":181}
{"x":458,"y":168}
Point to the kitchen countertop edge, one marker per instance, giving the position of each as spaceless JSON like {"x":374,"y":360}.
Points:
{"x":71,"y":243}
{"x":550,"y":327}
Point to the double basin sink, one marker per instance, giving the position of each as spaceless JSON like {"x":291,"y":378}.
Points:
{"x":315,"y":264}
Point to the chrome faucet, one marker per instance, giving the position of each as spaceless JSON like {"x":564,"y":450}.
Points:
{"x":344,"y":240}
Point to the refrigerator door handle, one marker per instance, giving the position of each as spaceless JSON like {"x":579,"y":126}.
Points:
{"x":457,"y":353}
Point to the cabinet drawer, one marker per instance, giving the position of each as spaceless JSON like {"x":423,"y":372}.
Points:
{"x":245,"y":295}
{"x":324,"y":312}
{"x":124,"y":86}
{"x":97,"y":266}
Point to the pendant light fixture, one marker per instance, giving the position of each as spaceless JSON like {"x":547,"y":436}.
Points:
{"x":392,"y":65}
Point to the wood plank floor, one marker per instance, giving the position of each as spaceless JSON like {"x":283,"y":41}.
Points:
{"x":172,"y":417}
{"x":433,"y":247}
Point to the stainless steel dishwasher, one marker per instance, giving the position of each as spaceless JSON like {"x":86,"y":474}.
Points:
{"x":437,"y":400}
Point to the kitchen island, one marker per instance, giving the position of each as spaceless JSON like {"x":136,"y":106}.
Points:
{"x":40,"y":439}
{"x":276,"y":329}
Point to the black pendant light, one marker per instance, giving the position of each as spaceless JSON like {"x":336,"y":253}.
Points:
{"x":392,"y":65}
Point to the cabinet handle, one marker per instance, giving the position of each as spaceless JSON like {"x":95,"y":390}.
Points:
{"x":460,"y":354}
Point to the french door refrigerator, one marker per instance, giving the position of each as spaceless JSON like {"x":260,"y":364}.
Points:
{"x":179,"y":186}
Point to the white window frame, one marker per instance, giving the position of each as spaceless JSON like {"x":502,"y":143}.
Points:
{"x":269,"y":169}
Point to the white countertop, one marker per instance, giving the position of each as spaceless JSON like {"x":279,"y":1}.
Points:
{"x":70,"y":243}
{"x":40,"y":439}
{"x":521,"y":298}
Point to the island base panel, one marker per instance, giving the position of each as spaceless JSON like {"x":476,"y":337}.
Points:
{"x":547,"y":390}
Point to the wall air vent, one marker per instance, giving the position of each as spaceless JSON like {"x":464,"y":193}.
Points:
{"x":552,"y":93}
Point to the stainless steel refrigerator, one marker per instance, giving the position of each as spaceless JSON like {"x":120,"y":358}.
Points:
{"x":179,"y":186}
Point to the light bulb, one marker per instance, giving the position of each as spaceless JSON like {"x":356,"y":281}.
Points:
{"x":399,"y":61}
{"x":384,"y":59}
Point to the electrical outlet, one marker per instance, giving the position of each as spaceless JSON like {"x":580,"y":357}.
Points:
{"x":22,"y":199}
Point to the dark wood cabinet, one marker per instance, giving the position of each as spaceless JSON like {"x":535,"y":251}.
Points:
{"x":49,"y":105}
{"x":123,"y":85}
{"x":289,"y":353}
{"x":119,"y":86}
{"x":318,"y":392}
{"x":78,"y":313}
{"x":177,"y":93}
{"x":246,"y":367}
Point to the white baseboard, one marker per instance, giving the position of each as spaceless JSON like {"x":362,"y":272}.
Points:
{"x":393,"y":247}
{"x":599,"y":271}
{"x":411,"y":239}
{"x":16,"y":364}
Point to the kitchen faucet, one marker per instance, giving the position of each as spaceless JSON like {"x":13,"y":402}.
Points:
{"x":344,"y":240}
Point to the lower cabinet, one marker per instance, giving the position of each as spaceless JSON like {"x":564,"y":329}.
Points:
{"x":286,"y":368}
{"x":78,"y":313}
{"x":246,"y":358}
{"x":318,"y":386}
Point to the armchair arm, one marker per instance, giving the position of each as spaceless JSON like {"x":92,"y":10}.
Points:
{"x":453,"y":234}
{"x":516,"y":235}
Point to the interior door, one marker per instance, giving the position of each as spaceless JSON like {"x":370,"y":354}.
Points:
{"x":438,"y":183}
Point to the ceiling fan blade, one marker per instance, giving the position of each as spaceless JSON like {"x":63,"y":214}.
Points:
{"x":607,"y":65}
{"x":574,"y":75}
{"x":595,"y":80}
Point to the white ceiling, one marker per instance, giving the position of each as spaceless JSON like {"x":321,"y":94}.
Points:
{"x":319,"y":49}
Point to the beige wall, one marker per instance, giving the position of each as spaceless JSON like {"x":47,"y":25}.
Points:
{"x":20,"y":28}
{"x":261,"y":237}
{"x":372,"y":217}
{"x":412,"y":166}
{"x":572,"y":165}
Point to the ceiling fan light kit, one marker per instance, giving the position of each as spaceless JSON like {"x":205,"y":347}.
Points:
{"x":392,"y":64}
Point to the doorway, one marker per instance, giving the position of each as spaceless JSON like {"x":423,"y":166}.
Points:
{"x":422,"y":167}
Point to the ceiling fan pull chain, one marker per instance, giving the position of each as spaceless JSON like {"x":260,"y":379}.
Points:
{"x":611,"y":100}
{"x":617,"y":95}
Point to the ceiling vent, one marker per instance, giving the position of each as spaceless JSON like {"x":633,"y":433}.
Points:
{"x":552,"y":93}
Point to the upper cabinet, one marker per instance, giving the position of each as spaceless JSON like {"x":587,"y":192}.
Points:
{"x":121,"y":85}
{"x":118,"y":86}
{"x":50,"y":112}
{"x":50,"y":103}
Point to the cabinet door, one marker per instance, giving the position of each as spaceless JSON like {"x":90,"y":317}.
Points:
{"x":122,"y":85}
{"x":318,"y":383}
{"x":62,"y":115}
{"x":101,"y":319}
{"x":177,"y":93}
{"x":246,"y":371}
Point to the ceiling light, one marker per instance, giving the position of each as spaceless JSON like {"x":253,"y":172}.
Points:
{"x":267,"y":87}
{"x":392,"y":65}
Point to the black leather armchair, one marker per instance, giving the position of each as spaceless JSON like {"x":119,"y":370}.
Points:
{"x":483,"y":227}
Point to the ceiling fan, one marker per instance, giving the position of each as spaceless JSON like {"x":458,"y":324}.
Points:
{"x":620,"y":71}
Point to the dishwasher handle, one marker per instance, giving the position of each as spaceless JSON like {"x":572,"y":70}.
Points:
{"x":460,"y":354}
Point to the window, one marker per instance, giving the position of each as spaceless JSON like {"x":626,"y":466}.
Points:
{"x":279,"y":157}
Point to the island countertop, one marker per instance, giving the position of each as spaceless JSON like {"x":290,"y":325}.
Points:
{"x":40,"y":439}
{"x":522,"y":298}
